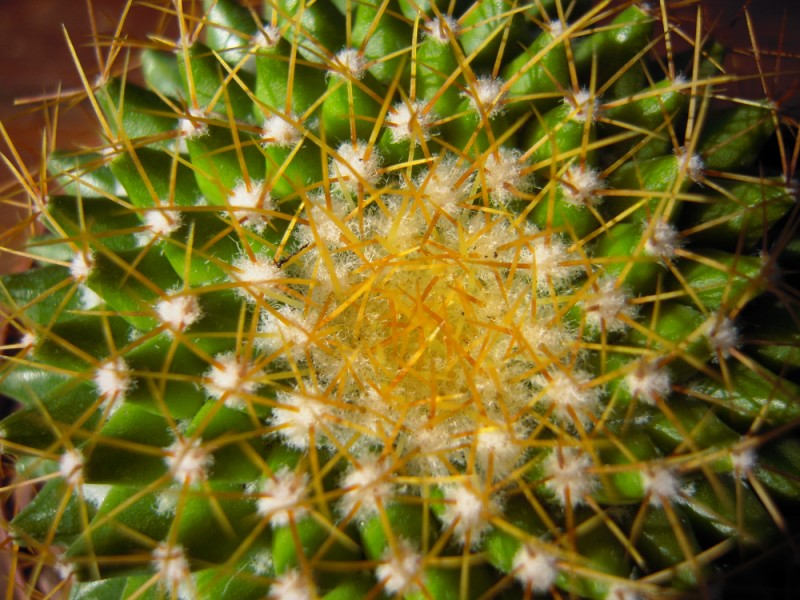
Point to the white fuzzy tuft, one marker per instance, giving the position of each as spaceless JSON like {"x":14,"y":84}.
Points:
{"x":401,"y":569}
{"x":580,"y":186}
{"x":723,"y":336}
{"x":173,"y":569}
{"x":743,"y":460}
{"x":467,"y":513}
{"x":660,"y":484}
{"x":607,"y":307}
{"x":690,"y":164}
{"x":292,"y":585}
{"x":535,"y":570}
{"x":287,"y":330}
{"x":442,"y":29}
{"x":503,"y":175}
{"x":162,"y":223}
{"x":662,"y":240}
{"x":113,"y":380}
{"x":177,"y":313}
{"x":231,"y":378}
{"x":584,"y":106}
{"x":568,"y":475}
{"x":188,"y":462}
{"x":70,"y":467}
{"x":281,"y":497}
{"x":298,"y":418}
{"x":191,"y":126}
{"x":366,"y":487}
{"x":258,"y":277}
{"x":410,"y":122}
{"x":648,"y":381}
{"x":570,"y":394}
{"x":445,"y":185}
{"x":280,"y":131}
{"x":349,"y":64}
{"x":248,"y":203}
{"x":486,"y":96}
{"x":267,"y":37}
{"x":355,"y":165}
{"x":81,"y":265}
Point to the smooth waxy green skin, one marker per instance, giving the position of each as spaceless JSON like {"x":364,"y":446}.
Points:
{"x":386,"y":37}
{"x":123,"y":508}
{"x":743,"y":212}
{"x":663,"y":175}
{"x":315,"y":28}
{"x":107,"y":220}
{"x":436,"y":62}
{"x":623,"y":245}
{"x":650,"y":119}
{"x":557,"y":138}
{"x":83,"y":175}
{"x":727,"y":280}
{"x":547,"y":75}
{"x":626,"y":36}
{"x":732,"y":138}
{"x":54,"y":504}
{"x":314,"y":539}
{"x":137,"y":112}
{"x":273,"y":69}
{"x":350,"y":111}
{"x":231,"y":29}
{"x":662,"y":548}
{"x":553,"y":211}
{"x":155,"y":178}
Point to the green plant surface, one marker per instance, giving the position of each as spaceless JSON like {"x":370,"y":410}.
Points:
{"x":408,"y":299}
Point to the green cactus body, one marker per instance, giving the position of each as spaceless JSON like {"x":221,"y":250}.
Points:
{"x":397,"y":299}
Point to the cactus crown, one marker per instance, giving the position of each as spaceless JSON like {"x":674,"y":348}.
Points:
{"x":400,"y":299}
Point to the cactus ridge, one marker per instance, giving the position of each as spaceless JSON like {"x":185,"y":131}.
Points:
{"x":407,"y":299}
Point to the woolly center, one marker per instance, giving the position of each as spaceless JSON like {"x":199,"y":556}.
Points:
{"x":429,"y":328}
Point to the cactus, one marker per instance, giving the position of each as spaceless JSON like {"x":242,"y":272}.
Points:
{"x":407,"y":299}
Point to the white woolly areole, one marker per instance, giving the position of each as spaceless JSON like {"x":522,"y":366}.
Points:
{"x":162,"y":223}
{"x":445,"y":185}
{"x":192,"y":126}
{"x":298,"y":417}
{"x":366,"y":487}
{"x":467,"y":513}
{"x":580,"y":185}
{"x":486,"y":96}
{"x":172,"y":568}
{"x":112,"y":379}
{"x":607,"y":307}
{"x":258,"y":277}
{"x":354,"y":165}
{"x":28,"y":340}
{"x":498,"y":449}
{"x":187,"y":461}
{"x":743,"y":460}
{"x":661,"y":484}
{"x":292,"y":585}
{"x":288,"y":330}
{"x":690,"y":164}
{"x":619,"y":591}
{"x":349,"y":64}
{"x":280,"y":131}
{"x":662,"y":240}
{"x":401,"y":568}
{"x":722,"y":335}
{"x":248,"y":203}
{"x":81,"y":265}
{"x":570,"y":394}
{"x":267,"y":37}
{"x":231,"y":378}
{"x":179,"y":312}
{"x":503,"y":175}
{"x":281,"y":497}
{"x":70,"y":467}
{"x":585,"y":107}
{"x":535,"y":570}
{"x":442,"y":29}
{"x":410,"y":122}
{"x":568,"y":475}
{"x":648,"y":381}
